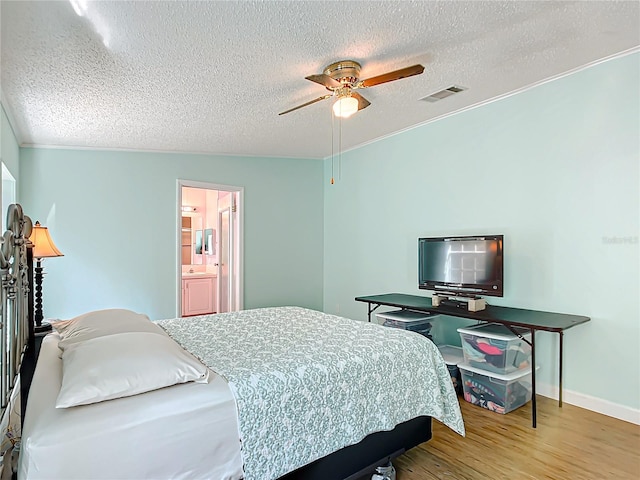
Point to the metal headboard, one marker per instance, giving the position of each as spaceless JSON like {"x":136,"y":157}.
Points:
{"x":15,"y":325}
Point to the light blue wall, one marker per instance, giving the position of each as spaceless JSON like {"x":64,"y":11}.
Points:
{"x":113,"y":215}
{"x":556,"y":170}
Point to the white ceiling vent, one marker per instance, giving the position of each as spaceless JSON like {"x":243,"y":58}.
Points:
{"x":447,"y":92}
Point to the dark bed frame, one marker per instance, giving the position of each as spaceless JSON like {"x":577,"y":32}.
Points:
{"x":355,"y":461}
{"x":349,"y":463}
{"x":17,"y":341}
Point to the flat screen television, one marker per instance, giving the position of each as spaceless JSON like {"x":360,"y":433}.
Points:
{"x":464,"y":266}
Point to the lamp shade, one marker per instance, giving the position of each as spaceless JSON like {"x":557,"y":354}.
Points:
{"x":43,"y":246}
{"x":345,"y":107}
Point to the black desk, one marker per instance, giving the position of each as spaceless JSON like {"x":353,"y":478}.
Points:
{"x":510,"y":317}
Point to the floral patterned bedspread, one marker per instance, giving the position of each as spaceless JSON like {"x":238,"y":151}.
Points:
{"x":308,"y":383}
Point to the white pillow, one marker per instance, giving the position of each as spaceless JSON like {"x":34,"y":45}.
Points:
{"x":124,"y":364}
{"x":100,"y":323}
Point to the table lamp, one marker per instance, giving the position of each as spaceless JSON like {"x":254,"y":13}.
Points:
{"x":43,"y":247}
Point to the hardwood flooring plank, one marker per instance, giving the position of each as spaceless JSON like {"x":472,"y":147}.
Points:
{"x":570,"y":443}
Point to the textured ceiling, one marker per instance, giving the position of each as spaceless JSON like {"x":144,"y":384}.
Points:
{"x":213,"y":76}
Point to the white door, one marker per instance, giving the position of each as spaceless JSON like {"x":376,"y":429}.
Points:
{"x":224,"y":260}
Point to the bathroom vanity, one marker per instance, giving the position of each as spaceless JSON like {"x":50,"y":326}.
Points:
{"x":199,"y":290}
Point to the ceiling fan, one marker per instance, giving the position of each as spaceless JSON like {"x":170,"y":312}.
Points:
{"x":343,"y":78}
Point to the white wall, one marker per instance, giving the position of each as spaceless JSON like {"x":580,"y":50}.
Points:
{"x":556,"y":170}
{"x":9,"y":156}
{"x":9,"y":150}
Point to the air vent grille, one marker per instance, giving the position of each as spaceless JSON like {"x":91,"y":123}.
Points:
{"x":447,"y":92}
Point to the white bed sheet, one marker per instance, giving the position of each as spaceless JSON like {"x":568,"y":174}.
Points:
{"x":184,"y":431}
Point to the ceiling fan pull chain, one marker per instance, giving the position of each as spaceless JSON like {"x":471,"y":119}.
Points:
{"x":332,"y":142}
{"x":340,"y":152}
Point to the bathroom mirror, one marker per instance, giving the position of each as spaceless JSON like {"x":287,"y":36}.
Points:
{"x":198,"y":242}
{"x":185,"y":244}
{"x":210,"y":241}
{"x":192,"y":240}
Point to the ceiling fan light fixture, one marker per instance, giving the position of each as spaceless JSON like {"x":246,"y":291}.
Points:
{"x":345,"y":107}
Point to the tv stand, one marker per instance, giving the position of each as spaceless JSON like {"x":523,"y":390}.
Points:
{"x":473,"y":304}
{"x":509,"y":317}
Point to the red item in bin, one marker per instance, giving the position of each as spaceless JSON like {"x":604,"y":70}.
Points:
{"x":488,"y":349}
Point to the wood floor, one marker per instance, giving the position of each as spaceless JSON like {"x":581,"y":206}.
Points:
{"x":570,"y":443}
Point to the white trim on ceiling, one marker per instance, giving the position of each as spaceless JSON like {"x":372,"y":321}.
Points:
{"x":171,"y":152}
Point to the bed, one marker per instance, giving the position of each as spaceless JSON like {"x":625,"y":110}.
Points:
{"x":282,"y":392}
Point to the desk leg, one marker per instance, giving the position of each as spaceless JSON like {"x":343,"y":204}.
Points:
{"x":560,"y":370}
{"x":371,"y":310}
{"x":533,"y":379}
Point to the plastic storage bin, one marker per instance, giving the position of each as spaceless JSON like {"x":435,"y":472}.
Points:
{"x":501,"y":393}
{"x":407,"y":320}
{"x":452,"y":356}
{"x":493,"y":347}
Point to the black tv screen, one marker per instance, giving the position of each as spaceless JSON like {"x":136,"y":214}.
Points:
{"x":466,"y":266}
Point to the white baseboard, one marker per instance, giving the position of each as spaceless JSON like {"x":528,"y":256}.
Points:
{"x":594,"y":404}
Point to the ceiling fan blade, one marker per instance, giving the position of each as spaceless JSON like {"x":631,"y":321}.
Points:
{"x":391,"y":76}
{"x":305,"y":104}
{"x":362,"y":102}
{"x":324,"y":80}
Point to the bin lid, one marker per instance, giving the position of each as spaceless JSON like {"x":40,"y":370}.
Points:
{"x":507,"y":377}
{"x":452,"y":355}
{"x":405,"y":315}
{"x":496,"y":331}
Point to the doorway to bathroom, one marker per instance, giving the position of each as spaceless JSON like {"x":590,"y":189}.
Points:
{"x":209,"y":249}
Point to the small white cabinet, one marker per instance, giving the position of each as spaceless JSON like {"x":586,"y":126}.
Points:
{"x":198,"y":295}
